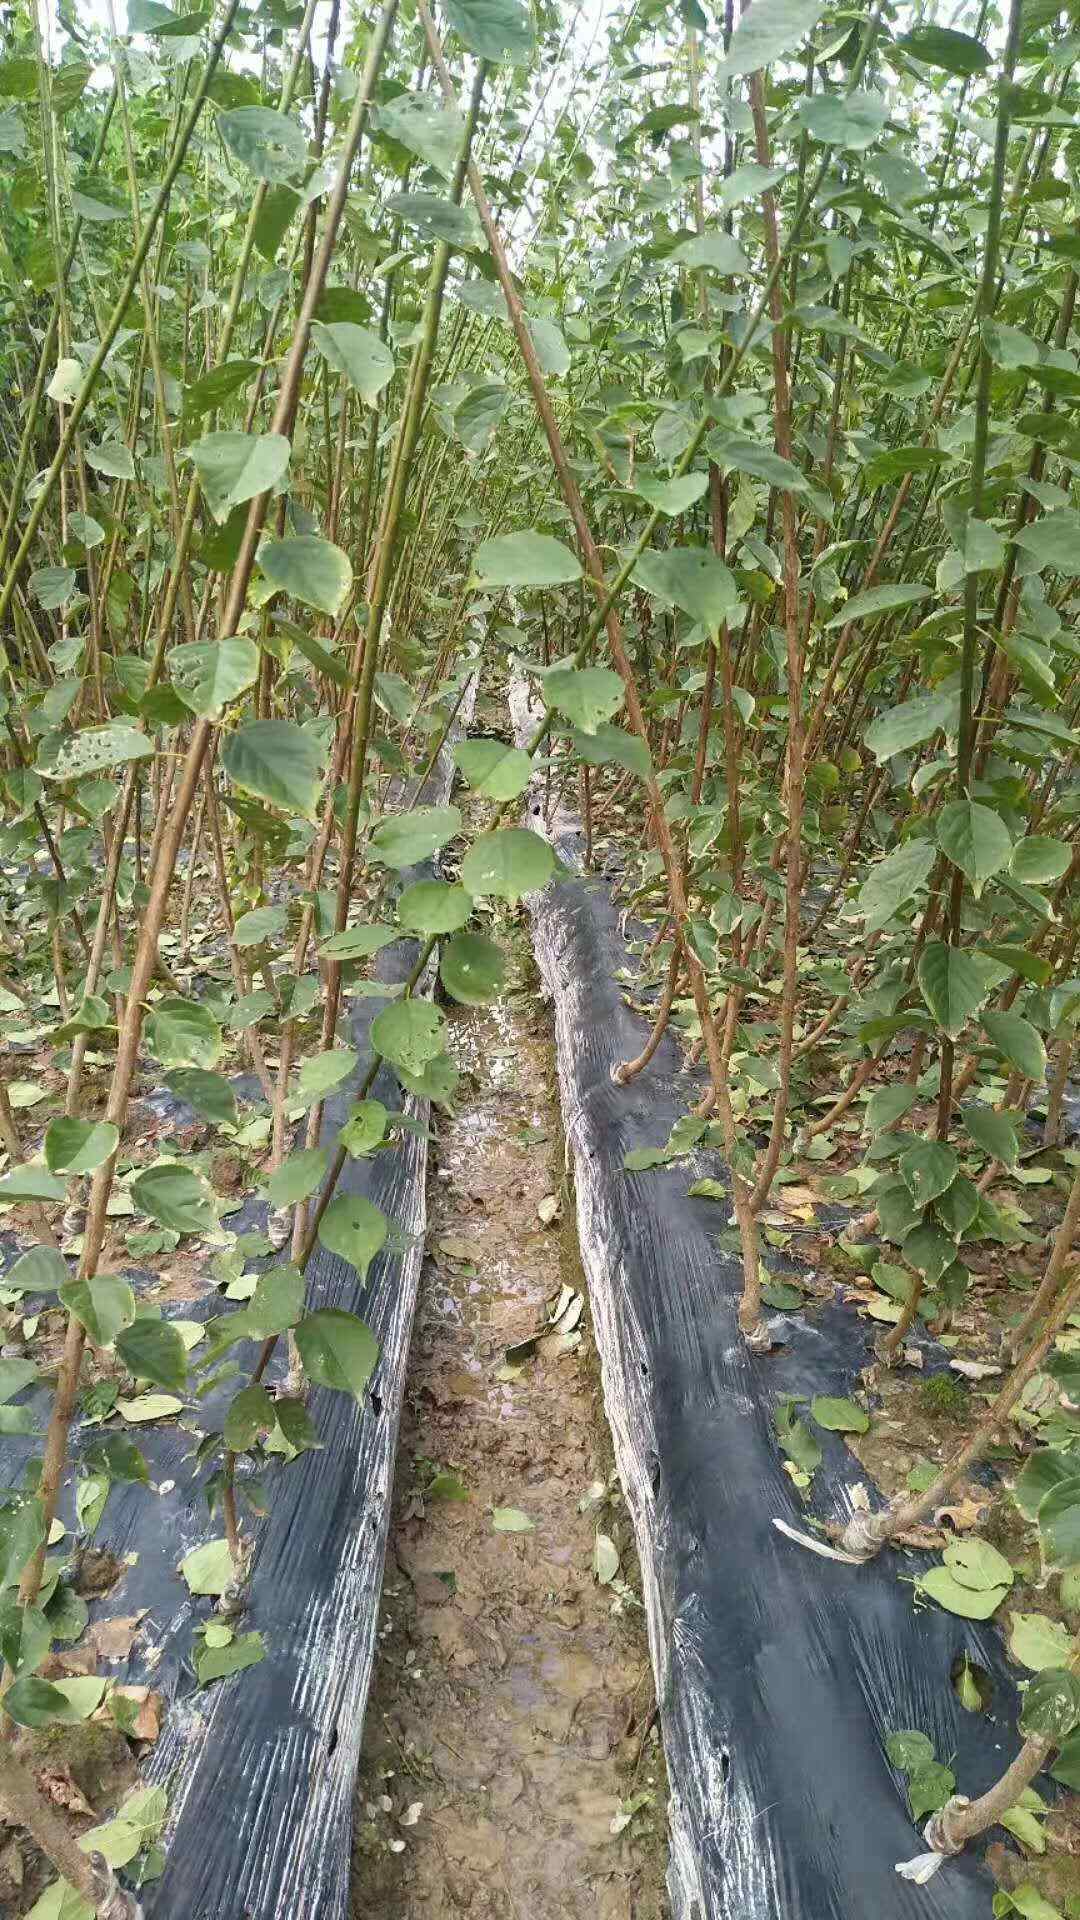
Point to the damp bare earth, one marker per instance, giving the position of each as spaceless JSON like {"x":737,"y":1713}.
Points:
{"x":510,"y":1766}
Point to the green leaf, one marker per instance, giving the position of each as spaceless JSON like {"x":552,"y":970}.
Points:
{"x":526,"y":560}
{"x":951,"y":984}
{"x":715,"y":249}
{"x":970,"y":1603}
{"x":78,"y":1146}
{"x":1037,"y":1641}
{"x":405,"y":839}
{"x":689,"y":578}
{"x":995,"y":1133}
{"x":41,"y":1270}
{"x":887,"y":1106}
{"x":267,"y":143}
{"x":52,"y":586}
{"x":430,"y":907}
{"x":277,"y":761}
{"x":1027,"y":1900}
{"x":250,"y":1413}
{"x":851,"y":120}
{"x":181,"y":1033}
{"x":357,"y":943}
{"x":761,"y":462}
{"x":274,"y":218}
{"x":975,"y":1563}
{"x":909,"y":1752}
{"x":262,"y":923}
{"x":309,"y":569}
{"x":929,"y":1248}
{"x":364,"y":1128}
{"x":477,"y":416}
{"x":112,"y":459}
{"x":1051,"y":1705}
{"x":492,"y":29}
{"x":208,"y":1569}
{"x":929,"y":1789}
{"x":769,"y":31}
{"x":609,"y":746}
{"x":1038,"y":859}
{"x":408,"y":1033}
{"x":277,"y":1302}
{"x":176,"y":1198}
{"x":355,"y":1229}
{"x":796,"y":1439}
{"x":208,"y":674}
{"x":32,"y":1702}
{"x":876,"y":601}
{"x":928,"y":1168}
{"x":943,"y":47}
{"x":472,"y":969}
{"x":893,"y":881}
{"x":14,"y":1376}
{"x":220,"y":1663}
{"x":550,"y":345}
{"x":337,"y":1350}
{"x":235,"y":467}
{"x":909,"y":725}
{"x":975,"y":839}
{"x":30,"y":1183}
{"x":153,"y":1350}
{"x":94,"y":749}
{"x":364,"y":359}
{"x":22,"y":1530}
{"x":436,"y":218}
{"x":587,"y":696}
{"x":497,"y":771}
{"x":1017,"y":1041}
{"x":324,"y":1071}
{"x":104,"y":1306}
{"x":671,"y":496}
{"x":1052,"y":540}
{"x":208,"y":1093}
{"x":839,"y":1415}
{"x":510,"y":863}
{"x":1059,"y":1522}
{"x":433,"y":132}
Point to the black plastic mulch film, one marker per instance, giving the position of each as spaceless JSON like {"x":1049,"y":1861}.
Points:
{"x":260,"y":1769}
{"x":779,"y":1674}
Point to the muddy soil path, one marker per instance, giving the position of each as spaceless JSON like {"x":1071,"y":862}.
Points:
{"x":507,"y":1767}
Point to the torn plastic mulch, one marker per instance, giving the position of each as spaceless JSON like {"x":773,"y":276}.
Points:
{"x":260,"y":1769}
{"x":779,"y":1674}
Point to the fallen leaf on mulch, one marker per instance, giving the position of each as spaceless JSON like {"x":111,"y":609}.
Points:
{"x":114,"y":1638}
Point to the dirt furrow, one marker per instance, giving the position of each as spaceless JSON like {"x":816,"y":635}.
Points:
{"x":509,"y":1767}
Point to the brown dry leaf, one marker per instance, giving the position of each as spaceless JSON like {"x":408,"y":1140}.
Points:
{"x":969,"y":1511}
{"x":113,"y":1639}
{"x":58,"y":1785}
{"x":147,"y":1722}
{"x":925,"y":1539}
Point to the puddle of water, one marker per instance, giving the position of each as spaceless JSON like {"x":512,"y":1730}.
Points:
{"x":509,"y":1701}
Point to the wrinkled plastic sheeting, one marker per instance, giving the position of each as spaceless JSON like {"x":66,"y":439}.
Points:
{"x":779,"y":1674}
{"x":260,"y":1769}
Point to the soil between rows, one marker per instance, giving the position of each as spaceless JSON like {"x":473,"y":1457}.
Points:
{"x":509,"y":1726}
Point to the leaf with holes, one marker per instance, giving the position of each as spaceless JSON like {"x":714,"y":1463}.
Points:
{"x":355,"y":1229}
